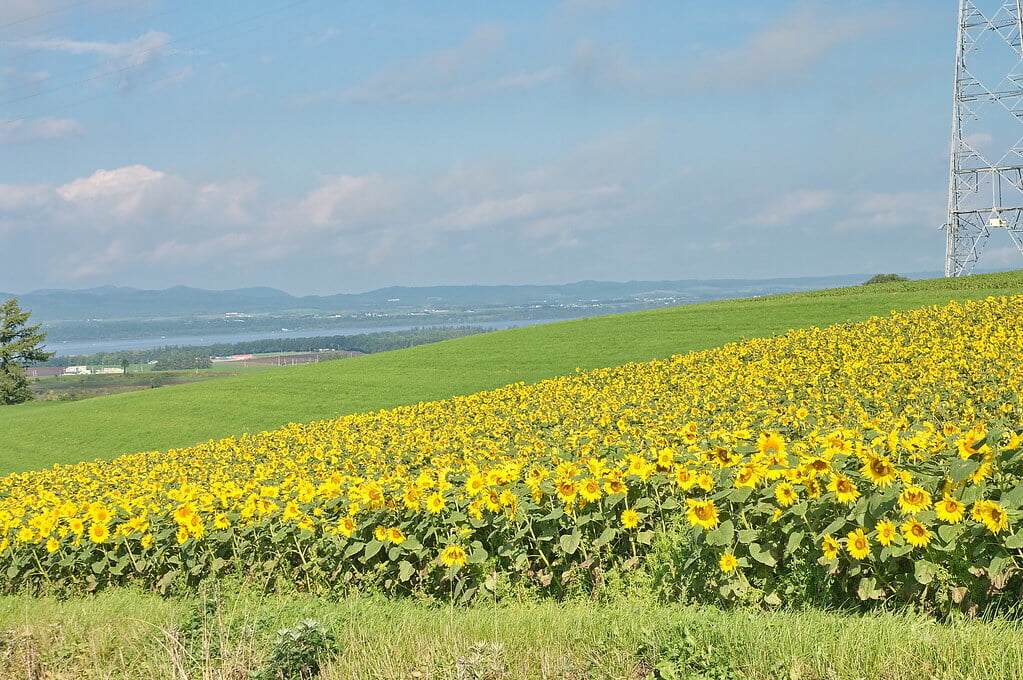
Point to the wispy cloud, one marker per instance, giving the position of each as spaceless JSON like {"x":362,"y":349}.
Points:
{"x":783,"y":50}
{"x":843,"y":212}
{"x":123,"y":61}
{"x":460,"y":72}
{"x":33,"y":130}
{"x":321,"y":37}
{"x":789,"y":47}
{"x":791,"y":207}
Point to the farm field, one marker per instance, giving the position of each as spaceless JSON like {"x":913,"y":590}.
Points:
{"x":40,"y":434}
{"x":691,"y":515}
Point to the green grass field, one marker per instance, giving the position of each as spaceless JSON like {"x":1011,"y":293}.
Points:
{"x":37,"y":435}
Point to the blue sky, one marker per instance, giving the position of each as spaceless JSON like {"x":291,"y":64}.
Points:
{"x":327,"y":146}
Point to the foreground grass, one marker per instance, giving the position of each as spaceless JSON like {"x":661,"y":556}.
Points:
{"x":121,"y":634}
{"x":36,"y":435}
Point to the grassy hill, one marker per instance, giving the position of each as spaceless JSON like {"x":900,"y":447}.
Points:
{"x":38,"y":435}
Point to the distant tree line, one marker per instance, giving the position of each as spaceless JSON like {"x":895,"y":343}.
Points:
{"x":884,"y":278}
{"x":198,"y":356}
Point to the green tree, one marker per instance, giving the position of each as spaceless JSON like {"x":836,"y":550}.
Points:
{"x":20,"y":345}
{"x":884,"y":278}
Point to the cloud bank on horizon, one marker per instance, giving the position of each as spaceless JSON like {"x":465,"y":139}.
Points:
{"x":323,"y":147}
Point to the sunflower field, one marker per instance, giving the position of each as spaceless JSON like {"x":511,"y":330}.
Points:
{"x":865,"y":462}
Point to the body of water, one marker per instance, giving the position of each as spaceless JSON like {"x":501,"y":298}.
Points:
{"x":71,"y":347}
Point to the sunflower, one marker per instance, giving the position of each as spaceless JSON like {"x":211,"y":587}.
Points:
{"x":913,"y":499}
{"x":830,"y":547}
{"x":702,"y":513}
{"x":453,"y":556}
{"x":475,"y":484}
{"x":785,"y":494}
{"x":346,"y":526}
{"x":747,"y":476}
{"x":857,"y":544}
{"x":685,"y":478}
{"x":435,"y":503}
{"x":380,"y":533}
{"x":885,"y":532}
{"x":630,"y":518}
{"x":949,"y":510}
{"x":395,"y":535}
{"x":915,"y":533}
{"x":98,"y":532}
{"x":844,"y":489}
{"x":879,"y":470}
{"x":770,"y":442}
{"x":567,"y":490}
{"x":991,"y":515}
{"x":590,"y":489}
{"x":727,"y":562}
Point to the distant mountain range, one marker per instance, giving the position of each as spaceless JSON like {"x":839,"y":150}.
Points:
{"x":111,"y":302}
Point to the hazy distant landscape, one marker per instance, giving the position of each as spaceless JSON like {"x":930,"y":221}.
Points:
{"x":183,"y":315}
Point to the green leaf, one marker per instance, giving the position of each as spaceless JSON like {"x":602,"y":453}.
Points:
{"x":773,"y":599}
{"x":1014,"y":542}
{"x":605,"y":537}
{"x":739,"y":495}
{"x":411,"y":543}
{"x":748,"y":535}
{"x":570,"y":542}
{"x":477,"y":556}
{"x":973,"y":493}
{"x":669,"y":503}
{"x":836,"y":526}
{"x":960,"y":469}
{"x":722,"y":534}
{"x":645,"y":537}
{"x":757,"y":552}
{"x":795,"y":540}
{"x":1013,"y":499}
{"x":924,"y":572}
{"x":371,"y":549}
{"x":997,"y":565}
{"x":405,"y":570}
{"x":868,"y":589}
{"x":900,"y":550}
{"x":950,"y":532}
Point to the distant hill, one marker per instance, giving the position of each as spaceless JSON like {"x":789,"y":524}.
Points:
{"x":110,"y":302}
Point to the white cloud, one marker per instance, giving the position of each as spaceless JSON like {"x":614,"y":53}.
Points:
{"x":12,"y":78}
{"x":124,"y":182}
{"x":845,"y":212}
{"x":885,"y":211}
{"x":125,"y":61}
{"x":793,"y":44}
{"x":784,"y":50}
{"x":527,"y":207}
{"x":321,"y":37}
{"x":26,"y":130}
{"x":463,"y":71}
{"x":136,"y":218}
{"x":791,"y":207}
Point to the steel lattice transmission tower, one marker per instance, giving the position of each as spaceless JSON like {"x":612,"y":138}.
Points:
{"x":985,"y":188}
